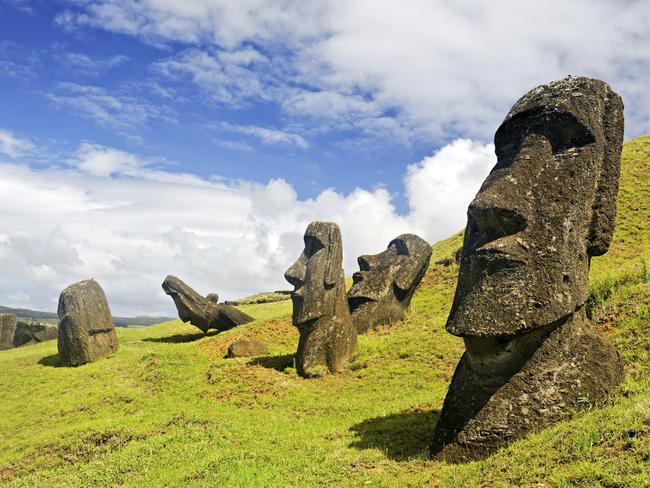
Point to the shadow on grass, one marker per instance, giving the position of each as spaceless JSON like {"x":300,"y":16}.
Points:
{"x":279,"y":363}
{"x":401,"y":436}
{"x":53,"y":361}
{"x":180,"y":338}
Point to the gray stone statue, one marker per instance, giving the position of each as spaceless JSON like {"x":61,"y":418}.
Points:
{"x":86,"y":329}
{"x":320,"y":307}
{"x":202,"y":312}
{"x":7,"y":330}
{"x":383,"y":287}
{"x":547,"y":207}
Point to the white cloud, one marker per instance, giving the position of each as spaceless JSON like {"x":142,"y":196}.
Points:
{"x":267,"y":135}
{"x":113,"y":216}
{"x":440,"y":69}
{"x":14,"y":146}
{"x":120,"y":111}
{"x":91,"y":65}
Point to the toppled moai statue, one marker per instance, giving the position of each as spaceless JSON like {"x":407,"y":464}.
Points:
{"x":7,"y":330}
{"x":86,"y":329}
{"x":547,"y":207}
{"x":203,"y":312}
{"x":29,"y":333}
{"x":383,"y":287}
{"x":320,"y":307}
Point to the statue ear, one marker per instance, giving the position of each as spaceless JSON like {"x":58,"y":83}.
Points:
{"x":335,"y":258}
{"x":604,"y":207}
{"x":406,"y":275}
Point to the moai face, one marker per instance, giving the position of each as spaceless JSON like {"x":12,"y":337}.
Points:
{"x":316,"y":273}
{"x":385,"y":282}
{"x":547,"y":206}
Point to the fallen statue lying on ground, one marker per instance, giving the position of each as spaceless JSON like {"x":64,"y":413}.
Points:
{"x":202,"y":312}
{"x":385,"y":282}
{"x":549,"y":205}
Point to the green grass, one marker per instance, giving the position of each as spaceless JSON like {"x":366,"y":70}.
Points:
{"x":169,"y":410}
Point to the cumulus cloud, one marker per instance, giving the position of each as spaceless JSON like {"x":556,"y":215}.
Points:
{"x":122,"y":219}
{"x":435,"y":69}
{"x":14,"y":146}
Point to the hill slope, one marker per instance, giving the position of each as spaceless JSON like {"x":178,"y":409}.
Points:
{"x":169,"y":410}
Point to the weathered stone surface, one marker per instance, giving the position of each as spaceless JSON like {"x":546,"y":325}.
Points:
{"x":246,"y":348}
{"x":7,"y":330}
{"x":202,"y":312}
{"x":320,"y":306}
{"x":548,"y":205}
{"x":33,"y":333}
{"x":86,"y":329}
{"x":383,"y":287}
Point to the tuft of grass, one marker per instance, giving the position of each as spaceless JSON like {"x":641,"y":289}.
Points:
{"x":169,"y":410}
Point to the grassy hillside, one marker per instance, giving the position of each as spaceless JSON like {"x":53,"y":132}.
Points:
{"x":169,"y":410}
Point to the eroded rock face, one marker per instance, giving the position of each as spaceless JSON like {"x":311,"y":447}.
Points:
{"x":202,"y":312}
{"x":246,"y":348}
{"x":548,"y":205}
{"x":7,"y":330}
{"x":385,"y":282}
{"x":86,"y":330}
{"x":320,"y":306}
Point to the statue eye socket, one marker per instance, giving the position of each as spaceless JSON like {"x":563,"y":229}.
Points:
{"x":400,"y":247}
{"x":312,"y":246}
{"x":562,"y":129}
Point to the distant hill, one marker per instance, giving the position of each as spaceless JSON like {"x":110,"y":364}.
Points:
{"x":50,"y":317}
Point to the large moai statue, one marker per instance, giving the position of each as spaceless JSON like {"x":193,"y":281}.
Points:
{"x":203,"y":312}
{"x":86,"y":329}
{"x":531,"y":356}
{"x":385,"y":282}
{"x":320,"y":307}
{"x":7,"y":330}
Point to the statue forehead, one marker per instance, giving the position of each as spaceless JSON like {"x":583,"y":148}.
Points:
{"x":322,"y":231}
{"x":576,"y":104}
{"x":411,"y":244}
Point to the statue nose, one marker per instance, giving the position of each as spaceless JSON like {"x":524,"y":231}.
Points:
{"x":489,"y":223}
{"x":296,"y":273}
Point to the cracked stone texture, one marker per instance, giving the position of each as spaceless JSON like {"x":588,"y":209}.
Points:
{"x":546,"y":208}
{"x":202,"y":312}
{"x":86,"y":329}
{"x":320,"y":307}
{"x":385,"y":282}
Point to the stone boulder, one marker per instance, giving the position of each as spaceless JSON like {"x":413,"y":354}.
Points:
{"x":86,"y":330}
{"x":202,"y":312}
{"x":246,"y":348}
{"x":33,"y":333}
{"x":7,"y":330}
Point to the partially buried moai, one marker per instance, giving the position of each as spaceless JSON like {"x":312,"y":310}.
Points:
{"x":320,"y":307}
{"x":86,"y":329}
{"x":548,"y":206}
{"x":203,"y":312}
{"x":385,"y":282}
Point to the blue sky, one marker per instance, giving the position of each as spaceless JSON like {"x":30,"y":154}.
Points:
{"x":199,"y":138}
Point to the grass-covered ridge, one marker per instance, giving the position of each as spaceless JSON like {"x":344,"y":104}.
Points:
{"x":169,"y":410}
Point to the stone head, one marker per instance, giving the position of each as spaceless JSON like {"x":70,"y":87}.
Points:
{"x":385,"y":282}
{"x":317,"y":275}
{"x":545,"y":209}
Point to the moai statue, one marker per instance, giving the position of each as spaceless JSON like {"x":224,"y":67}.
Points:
{"x":383,"y":287}
{"x":548,"y":206}
{"x":202,"y":312}
{"x":320,"y":307}
{"x":86,"y":329}
{"x":7,"y":330}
